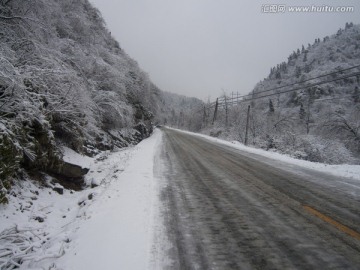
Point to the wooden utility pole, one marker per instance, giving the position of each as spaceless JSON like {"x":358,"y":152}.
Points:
{"x":247,"y":125}
{"x":204,"y":116}
{"x":308,"y":118}
{"x":226,"y":113}
{"x":215,"y":112}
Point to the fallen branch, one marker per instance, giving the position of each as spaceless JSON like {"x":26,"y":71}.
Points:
{"x":18,"y":246}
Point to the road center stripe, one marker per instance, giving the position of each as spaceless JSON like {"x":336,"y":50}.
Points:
{"x":329,"y":220}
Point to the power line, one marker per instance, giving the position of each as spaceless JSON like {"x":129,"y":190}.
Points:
{"x":333,"y":98}
{"x":308,"y":86}
{"x":209,"y":106}
{"x":292,"y":84}
{"x":301,"y":88}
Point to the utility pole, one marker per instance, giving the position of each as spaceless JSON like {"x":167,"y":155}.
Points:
{"x":215,"y":112}
{"x":204,"y":116}
{"x":247,"y":125}
{"x":308,"y":118}
{"x":226,"y":113}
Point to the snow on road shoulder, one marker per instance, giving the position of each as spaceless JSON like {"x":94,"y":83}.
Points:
{"x":108,"y":226}
{"x":344,"y":170}
{"x":118,"y":231}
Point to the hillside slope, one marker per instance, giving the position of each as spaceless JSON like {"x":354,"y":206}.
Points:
{"x":65,"y":81}
{"x":300,"y":110}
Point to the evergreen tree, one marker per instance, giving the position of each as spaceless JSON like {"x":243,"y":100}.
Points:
{"x":271,"y":107}
{"x":302,"y":112}
{"x":305,"y":57}
{"x":278,"y":75}
{"x":348,"y":25}
{"x":356,"y":95}
{"x":339,"y":32}
{"x":294,"y":54}
{"x":311,"y":95}
{"x":294,"y":98}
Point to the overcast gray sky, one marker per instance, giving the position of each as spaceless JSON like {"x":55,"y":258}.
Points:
{"x":199,"y":47}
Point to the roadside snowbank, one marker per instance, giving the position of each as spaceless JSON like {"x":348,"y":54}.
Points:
{"x":106,"y":227}
{"x":118,"y":232}
{"x":344,"y":170}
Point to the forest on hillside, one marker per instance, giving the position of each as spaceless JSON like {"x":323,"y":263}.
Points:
{"x":308,"y":107}
{"x":65,"y":81}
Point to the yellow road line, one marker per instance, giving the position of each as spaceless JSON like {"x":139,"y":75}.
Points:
{"x":336,"y":224}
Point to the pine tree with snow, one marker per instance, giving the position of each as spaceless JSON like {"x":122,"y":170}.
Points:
{"x":348,"y":25}
{"x":278,"y":75}
{"x":271,"y":107}
{"x":305,"y":57}
{"x":356,"y":95}
{"x":302,"y":112}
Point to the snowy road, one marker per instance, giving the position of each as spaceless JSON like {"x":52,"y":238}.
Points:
{"x":228,"y":209}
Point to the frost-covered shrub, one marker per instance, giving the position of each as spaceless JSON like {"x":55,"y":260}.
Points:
{"x":317,"y":149}
{"x":216,"y":132}
{"x":10,"y":157}
{"x":259,"y":143}
{"x":47,"y":155}
{"x":114,"y":112}
{"x":308,"y":147}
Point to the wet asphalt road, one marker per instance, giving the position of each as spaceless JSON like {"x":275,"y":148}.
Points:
{"x":227,"y":209}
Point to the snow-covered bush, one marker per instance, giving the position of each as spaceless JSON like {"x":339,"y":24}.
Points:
{"x":317,"y":149}
{"x":343,"y":124}
{"x":10,"y":158}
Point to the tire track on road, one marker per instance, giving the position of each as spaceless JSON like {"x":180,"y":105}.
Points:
{"x":228,"y":216}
